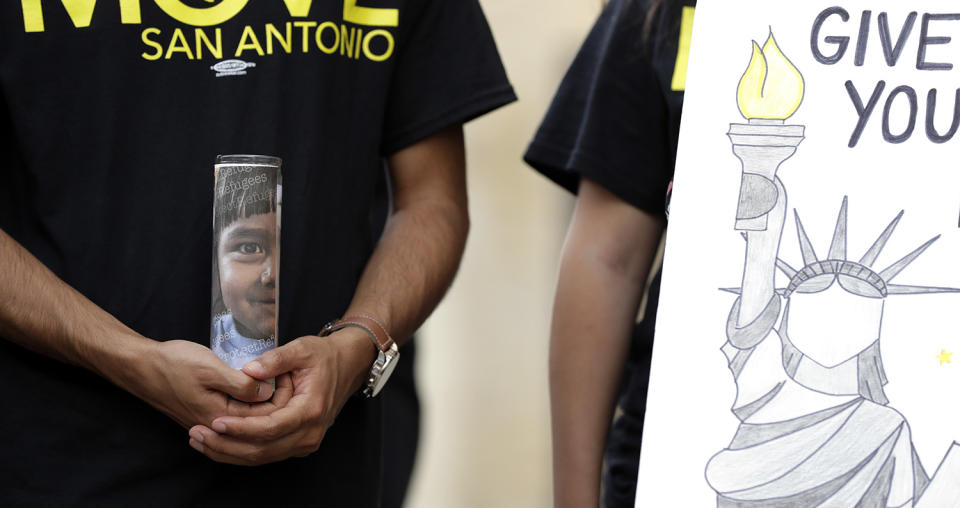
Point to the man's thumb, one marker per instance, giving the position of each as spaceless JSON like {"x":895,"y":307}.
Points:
{"x":271,"y":364}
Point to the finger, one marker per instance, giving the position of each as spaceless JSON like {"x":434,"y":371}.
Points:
{"x":240,"y":386}
{"x":284,"y":391}
{"x":244,"y":409}
{"x":197,"y":443}
{"x":270,"y":427}
{"x":222,"y":448}
{"x":281,"y":396}
{"x":198,"y":446}
{"x":276,"y":361}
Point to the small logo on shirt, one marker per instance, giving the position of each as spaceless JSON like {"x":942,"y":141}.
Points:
{"x":231,"y":67}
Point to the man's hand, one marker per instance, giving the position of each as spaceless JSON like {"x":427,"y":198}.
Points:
{"x":322,"y":373}
{"x":406,"y":276}
{"x":184,"y":380}
{"x":188,"y":383}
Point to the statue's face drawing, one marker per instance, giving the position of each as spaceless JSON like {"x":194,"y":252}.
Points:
{"x":833,"y":325}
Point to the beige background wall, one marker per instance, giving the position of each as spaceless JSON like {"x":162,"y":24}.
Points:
{"x":481,"y":364}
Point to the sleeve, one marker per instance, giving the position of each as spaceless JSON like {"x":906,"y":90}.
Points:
{"x":609,"y":118}
{"x":448,"y":72}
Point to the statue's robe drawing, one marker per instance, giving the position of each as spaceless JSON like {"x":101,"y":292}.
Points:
{"x":815,"y":427}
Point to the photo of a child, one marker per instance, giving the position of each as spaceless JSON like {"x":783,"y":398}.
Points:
{"x":245,"y":261}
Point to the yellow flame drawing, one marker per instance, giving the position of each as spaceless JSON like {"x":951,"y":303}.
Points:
{"x":771,"y":88}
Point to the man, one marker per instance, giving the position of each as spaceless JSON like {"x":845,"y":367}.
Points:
{"x":119,"y":109}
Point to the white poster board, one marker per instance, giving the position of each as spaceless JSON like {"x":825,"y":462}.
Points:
{"x":854,"y":401}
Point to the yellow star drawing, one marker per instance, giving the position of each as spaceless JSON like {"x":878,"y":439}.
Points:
{"x":944,"y":356}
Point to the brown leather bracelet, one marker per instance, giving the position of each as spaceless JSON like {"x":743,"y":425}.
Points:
{"x":378,"y":334}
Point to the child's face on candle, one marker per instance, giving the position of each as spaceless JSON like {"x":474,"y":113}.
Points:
{"x":247,"y":255}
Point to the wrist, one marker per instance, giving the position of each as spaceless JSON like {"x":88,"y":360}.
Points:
{"x":383,"y":345}
{"x":128,"y":361}
{"x":357,"y":354}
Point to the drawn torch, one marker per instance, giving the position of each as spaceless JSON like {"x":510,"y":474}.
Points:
{"x":770,"y":91}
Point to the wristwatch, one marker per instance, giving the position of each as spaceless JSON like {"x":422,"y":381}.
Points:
{"x":387,"y":352}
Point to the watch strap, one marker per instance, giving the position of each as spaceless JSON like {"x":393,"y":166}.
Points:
{"x":387,"y":352}
{"x":377,"y":332}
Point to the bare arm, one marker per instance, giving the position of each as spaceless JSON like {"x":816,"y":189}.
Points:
{"x":42,"y":313}
{"x":760,"y":263}
{"x":424,"y":237}
{"x":607,"y":256}
{"x":409,"y":272}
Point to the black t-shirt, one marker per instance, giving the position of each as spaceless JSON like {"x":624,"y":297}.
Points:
{"x":118,"y":110}
{"x":616,"y":119}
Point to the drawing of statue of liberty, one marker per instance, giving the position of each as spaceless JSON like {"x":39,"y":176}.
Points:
{"x":815,"y":426}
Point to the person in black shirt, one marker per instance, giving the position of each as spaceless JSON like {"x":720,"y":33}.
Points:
{"x":610,"y":136}
{"x":105,"y":200}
